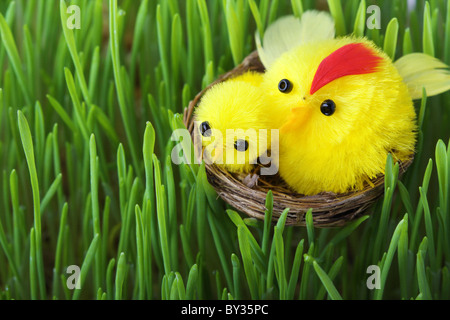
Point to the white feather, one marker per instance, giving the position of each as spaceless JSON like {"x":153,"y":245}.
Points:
{"x":420,"y":70}
{"x":289,"y":32}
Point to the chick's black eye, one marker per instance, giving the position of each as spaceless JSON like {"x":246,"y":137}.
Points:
{"x":205,"y":129}
{"x":285,"y":86}
{"x":328,"y":107}
{"x":241,"y":145}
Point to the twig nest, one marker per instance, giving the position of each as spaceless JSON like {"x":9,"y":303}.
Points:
{"x":248,"y":196}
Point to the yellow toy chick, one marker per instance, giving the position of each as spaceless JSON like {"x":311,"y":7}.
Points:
{"x":229,"y":118}
{"x":346,"y":108}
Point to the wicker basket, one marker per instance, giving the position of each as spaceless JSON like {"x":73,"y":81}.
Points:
{"x":329,"y":209}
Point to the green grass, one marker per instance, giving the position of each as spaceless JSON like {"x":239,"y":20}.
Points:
{"x":86,"y":118}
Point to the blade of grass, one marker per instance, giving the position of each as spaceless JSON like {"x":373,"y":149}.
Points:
{"x":109,"y":279}
{"x":192,"y":283}
{"x":279,"y":260}
{"x":161,"y":214}
{"x":120,"y":276}
{"x":297,"y":8}
{"x":137,"y":35}
{"x":344,"y":233}
{"x":293,"y":280}
{"x":324,"y":278}
{"x":403,"y":267}
{"x":385,"y":267}
{"x":237,"y":294}
{"x":443,"y":172}
{"x":270,"y":268}
{"x":427,"y":42}
{"x":207,"y":38}
{"x":19,"y":222}
{"x":273,"y":10}
{"x":140,"y":252}
{"x":59,"y":246}
{"x":334,"y":270}
{"x":79,"y":114}
{"x":258,"y":255}
{"x":390,"y":39}
{"x":249,"y":268}
{"x":257,"y":16}
{"x":163,"y":53}
{"x":360,"y":20}
{"x":338,"y":15}
{"x":8,"y":252}
{"x":13,"y":54}
{"x":177,"y":56}
{"x":220,"y":251}
{"x":62,"y":113}
{"x":447,"y":36}
{"x":71,"y":45}
{"x":51,"y":192}
{"x":185,"y":246}
{"x":419,"y":211}
{"x":34,"y":282}
{"x":125,"y":110}
{"x":428,"y":228}
{"x":87,"y":262}
{"x":407,"y":42}
{"x":406,"y":199}
{"x":27,"y":143}
{"x":424,"y":287}
{"x":310,"y":226}
{"x":234,"y":31}
{"x":94,"y":174}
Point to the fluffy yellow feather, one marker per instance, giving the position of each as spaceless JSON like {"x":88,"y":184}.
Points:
{"x":366,"y":117}
{"x":229,"y":118}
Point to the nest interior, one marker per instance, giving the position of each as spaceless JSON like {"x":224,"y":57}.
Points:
{"x":329,"y":209}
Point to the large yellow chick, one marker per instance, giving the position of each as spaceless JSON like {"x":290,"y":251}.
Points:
{"x":229,"y":119}
{"x":341,"y":104}
{"x":346,"y":108}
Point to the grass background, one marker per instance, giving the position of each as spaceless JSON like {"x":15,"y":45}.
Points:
{"x":86,"y":178}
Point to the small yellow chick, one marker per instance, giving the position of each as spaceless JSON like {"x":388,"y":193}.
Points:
{"x":229,"y":118}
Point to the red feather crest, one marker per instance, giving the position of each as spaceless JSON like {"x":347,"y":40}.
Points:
{"x":351,"y":59}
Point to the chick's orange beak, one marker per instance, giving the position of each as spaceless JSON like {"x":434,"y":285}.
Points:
{"x":297,"y":118}
{"x":213,"y":154}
